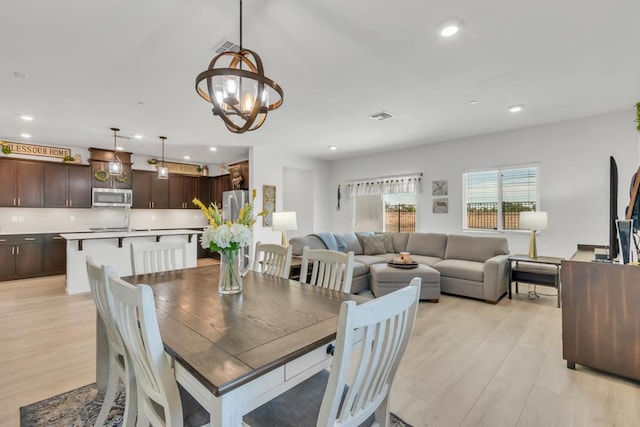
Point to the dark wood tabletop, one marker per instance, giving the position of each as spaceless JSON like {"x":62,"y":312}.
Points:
{"x":228,"y":340}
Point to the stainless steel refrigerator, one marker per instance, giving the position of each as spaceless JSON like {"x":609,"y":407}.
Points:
{"x":232,"y":202}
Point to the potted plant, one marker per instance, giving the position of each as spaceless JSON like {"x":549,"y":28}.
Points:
{"x":638,"y":116}
{"x":68,"y":159}
{"x":6,"y":148}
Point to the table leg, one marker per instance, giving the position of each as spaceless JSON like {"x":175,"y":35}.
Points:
{"x":558,"y":284}
{"x":227,"y":410}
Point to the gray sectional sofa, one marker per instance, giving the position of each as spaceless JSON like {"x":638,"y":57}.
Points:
{"x":472,"y":266}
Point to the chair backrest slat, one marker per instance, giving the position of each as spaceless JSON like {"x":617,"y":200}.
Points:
{"x":329,"y":269}
{"x":385,"y":326}
{"x":98,"y":284}
{"x":272,"y":259}
{"x":157,"y":257}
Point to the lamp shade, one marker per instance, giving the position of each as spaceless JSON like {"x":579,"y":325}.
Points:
{"x":533,"y":220}
{"x":284,"y":221}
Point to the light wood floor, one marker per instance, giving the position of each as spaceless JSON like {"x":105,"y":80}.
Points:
{"x":468,"y":363}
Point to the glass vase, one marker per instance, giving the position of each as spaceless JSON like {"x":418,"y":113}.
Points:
{"x":230,"y":281}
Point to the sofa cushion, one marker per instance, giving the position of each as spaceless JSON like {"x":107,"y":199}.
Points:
{"x":298,"y":243}
{"x":475,"y":248}
{"x":430,"y":244}
{"x":360,"y":234}
{"x":399,"y":242}
{"x":388,"y":242}
{"x":461,"y":269}
{"x":352,"y":243}
{"x":359,"y":269}
{"x":373,"y":245}
{"x":369,"y":260}
{"x":427,"y":260}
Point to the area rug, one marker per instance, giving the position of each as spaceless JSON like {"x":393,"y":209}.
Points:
{"x":80,"y":408}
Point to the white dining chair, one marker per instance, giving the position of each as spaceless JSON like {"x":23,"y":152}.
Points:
{"x":159,"y":400}
{"x":327,"y":269}
{"x":157,"y":257}
{"x":272,"y":259}
{"x":370,"y":343}
{"x":120,"y":367}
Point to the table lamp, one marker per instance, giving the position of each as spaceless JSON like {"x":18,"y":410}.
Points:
{"x":283,"y":221}
{"x":533,"y":221}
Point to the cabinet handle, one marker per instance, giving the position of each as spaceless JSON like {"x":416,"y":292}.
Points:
{"x":70,"y":203}
{"x":14,"y":202}
{"x":29,"y":239}
{"x":3,"y":240}
{"x":17,"y":250}
{"x":13,"y":250}
{"x":57,"y":238}
{"x":18,"y":201}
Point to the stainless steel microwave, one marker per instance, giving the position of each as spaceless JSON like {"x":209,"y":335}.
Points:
{"x":111,"y":197}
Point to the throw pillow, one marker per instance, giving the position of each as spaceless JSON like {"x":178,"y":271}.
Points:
{"x":373,"y":245}
{"x":388,"y":243}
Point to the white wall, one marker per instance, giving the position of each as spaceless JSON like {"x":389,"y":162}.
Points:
{"x":297,"y":196}
{"x":267,"y":168}
{"x":574,"y":176}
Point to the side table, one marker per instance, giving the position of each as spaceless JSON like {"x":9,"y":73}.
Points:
{"x":544,"y":271}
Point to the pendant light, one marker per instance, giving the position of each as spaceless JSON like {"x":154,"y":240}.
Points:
{"x":115,"y":166}
{"x":163,"y":170}
{"x":241,"y":97}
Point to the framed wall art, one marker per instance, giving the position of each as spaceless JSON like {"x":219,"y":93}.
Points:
{"x":441,"y":205}
{"x":439,"y":187}
{"x":268,"y":203}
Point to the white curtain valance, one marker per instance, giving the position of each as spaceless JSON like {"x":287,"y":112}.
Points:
{"x":395,"y":184}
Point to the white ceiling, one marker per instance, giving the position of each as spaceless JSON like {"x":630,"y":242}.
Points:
{"x":91,"y":65}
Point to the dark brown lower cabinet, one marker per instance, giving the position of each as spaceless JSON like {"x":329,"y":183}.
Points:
{"x":22,"y":256}
{"x":32,"y":255}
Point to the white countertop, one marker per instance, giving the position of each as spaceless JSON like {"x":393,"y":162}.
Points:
{"x":118,"y":234}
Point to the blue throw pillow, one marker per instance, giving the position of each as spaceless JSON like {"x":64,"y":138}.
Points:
{"x":342,"y":246}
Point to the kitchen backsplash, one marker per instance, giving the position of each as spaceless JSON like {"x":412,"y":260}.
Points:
{"x":43,"y":220}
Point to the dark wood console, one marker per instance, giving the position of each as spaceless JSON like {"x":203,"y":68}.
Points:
{"x":601,"y":315}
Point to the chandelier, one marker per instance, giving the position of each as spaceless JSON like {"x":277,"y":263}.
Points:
{"x":115,"y":166}
{"x":240,"y":93}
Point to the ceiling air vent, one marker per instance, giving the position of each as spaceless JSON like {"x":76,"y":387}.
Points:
{"x":382,"y":115}
{"x":225,"y":45}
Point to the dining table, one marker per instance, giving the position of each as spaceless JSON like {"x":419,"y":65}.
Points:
{"x":236,"y":352}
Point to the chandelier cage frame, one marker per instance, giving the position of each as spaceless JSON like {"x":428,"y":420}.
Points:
{"x":236,"y":118}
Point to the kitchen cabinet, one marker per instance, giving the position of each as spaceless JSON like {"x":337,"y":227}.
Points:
{"x":55,"y":255}
{"x":149,"y":192}
{"x":182,"y":190}
{"x":22,"y":256}
{"x":67,"y":186}
{"x":219,"y":184}
{"x":204,"y":190}
{"x":22,"y":182}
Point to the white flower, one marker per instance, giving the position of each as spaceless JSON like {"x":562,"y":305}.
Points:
{"x":224,"y":236}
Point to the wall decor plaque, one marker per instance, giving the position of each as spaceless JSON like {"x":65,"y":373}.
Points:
{"x":268,"y":203}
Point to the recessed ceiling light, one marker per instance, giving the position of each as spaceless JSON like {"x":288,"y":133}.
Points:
{"x":187,"y":157}
{"x":213,"y":149}
{"x":25,"y":135}
{"x":450,"y":27}
{"x":382,"y":115}
{"x":474,"y":102}
{"x":27,"y":118}
{"x":333,"y":147}
{"x":119,"y":148}
{"x":137,"y":136}
{"x":515,"y":108}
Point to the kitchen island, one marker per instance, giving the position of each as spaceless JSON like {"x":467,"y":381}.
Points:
{"x":112,"y":248}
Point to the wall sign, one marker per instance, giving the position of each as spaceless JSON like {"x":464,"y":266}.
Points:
{"x":38,"y":150}
{"x":181,"y":168}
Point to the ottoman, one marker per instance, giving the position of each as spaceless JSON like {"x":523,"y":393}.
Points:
{"x":386,"y":279}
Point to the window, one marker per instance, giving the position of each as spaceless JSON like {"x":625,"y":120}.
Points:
{"x":400,"y":212}
{"x":493,"y":199}
{"x":386,"y":203}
